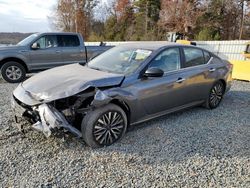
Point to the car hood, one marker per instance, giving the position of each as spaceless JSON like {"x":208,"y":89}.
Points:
{"x":66,"y":81}
{"x":11,"y":48}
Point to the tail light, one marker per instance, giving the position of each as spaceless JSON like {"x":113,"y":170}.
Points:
{"x":230,"y":65}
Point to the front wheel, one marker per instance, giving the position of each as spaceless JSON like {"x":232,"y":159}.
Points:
{"x":13,"y":72}
{"x":215,"y":96}
{"x":104,"y":126}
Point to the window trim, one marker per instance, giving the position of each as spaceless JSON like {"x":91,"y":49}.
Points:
{"x":203,"y":65}
{"x":204,"y":56}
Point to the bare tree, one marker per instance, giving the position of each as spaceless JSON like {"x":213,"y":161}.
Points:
{"x":179,"y":16}
{"x":64,"y":15}
{"x":75,"y":16}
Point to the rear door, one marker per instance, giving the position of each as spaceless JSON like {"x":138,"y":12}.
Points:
{"x":71,"y":49}
{"x":198,"y":74}
{"x":47,"y":55}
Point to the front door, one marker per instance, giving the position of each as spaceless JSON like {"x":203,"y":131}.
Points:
{"x":158,"y":94}
{"x":47,"y":55}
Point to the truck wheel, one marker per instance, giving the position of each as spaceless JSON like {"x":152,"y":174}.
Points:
{"x":13,"y":72}
{"x":104,"y":126}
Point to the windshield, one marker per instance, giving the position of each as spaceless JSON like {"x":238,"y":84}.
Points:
{"x":27,"y":40}
{"x":121,"y":60}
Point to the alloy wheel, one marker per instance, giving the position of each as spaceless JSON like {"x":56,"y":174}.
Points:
{"x":216,"y":94}
{"x":13,"y":72}
{"x":108,"y":128}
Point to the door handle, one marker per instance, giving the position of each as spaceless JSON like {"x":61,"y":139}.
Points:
{"x":58,"y":51}
{"x":212,"y":70}
{"x":23,"y":51}
{"x":180,"y":80}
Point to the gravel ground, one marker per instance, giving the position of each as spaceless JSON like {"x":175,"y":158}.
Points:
{"x":193,"y":148}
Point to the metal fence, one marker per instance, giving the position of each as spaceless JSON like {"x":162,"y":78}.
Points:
{"x":230,"y":50}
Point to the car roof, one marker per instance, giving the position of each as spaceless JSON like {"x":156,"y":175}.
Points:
{"x":57,"y":33}
{"x":149,"y":45}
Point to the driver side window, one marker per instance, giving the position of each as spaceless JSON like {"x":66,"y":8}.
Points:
{"x":168,"y":60}
{"x":48,"y":41}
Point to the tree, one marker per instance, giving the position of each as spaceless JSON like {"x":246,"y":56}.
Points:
{"x":244,"y":13}
{"x":246,"y":23}
{"x":120,"y":20}
{"x":146,"y":18}
{"x":123,"y":20}
{"x":179,"y":16}
{"x":64,"y":15}
{"x":224,"y":19}
{"x":75,"y":16}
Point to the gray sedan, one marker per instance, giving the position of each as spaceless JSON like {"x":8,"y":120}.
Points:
{"x":124,"y":86}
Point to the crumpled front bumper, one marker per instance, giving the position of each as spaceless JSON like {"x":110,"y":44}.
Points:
{"x":52,"y":119}
{"x":46,"y":117}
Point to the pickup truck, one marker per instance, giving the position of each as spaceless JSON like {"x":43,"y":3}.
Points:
{"x":42,"y":51}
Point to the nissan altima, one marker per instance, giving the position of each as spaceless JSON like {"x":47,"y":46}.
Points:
{"x":124,"y":86}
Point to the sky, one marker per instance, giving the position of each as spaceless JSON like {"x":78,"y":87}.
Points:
{"x":25,"y":15}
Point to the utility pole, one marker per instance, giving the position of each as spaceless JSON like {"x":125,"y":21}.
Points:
{"x":242,"y":19}
{"x":146,"y":17}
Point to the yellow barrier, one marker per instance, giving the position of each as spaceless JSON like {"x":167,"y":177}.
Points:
{"x":241,"y":69}
{"x":183,"y":42}
{"x":246,"y":55}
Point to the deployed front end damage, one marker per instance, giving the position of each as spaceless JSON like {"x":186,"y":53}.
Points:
{"x":62,"y":101}
{"x":61,"y":114}
{"x":43,"y":117}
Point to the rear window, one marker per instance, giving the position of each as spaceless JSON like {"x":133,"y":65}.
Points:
{"x":68,"y":41}
{"x":193,"y":57}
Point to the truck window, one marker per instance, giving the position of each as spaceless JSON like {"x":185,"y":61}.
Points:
{"x":68,"y":41}
{"x":47,"y":41}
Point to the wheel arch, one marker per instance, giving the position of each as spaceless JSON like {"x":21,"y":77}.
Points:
{"x":5,"y":60}
{"x":224,"y":83}
{"x":124,"y":106}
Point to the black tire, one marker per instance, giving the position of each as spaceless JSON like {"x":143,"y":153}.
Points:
{"x":13,"y":72}
{"x":215,"y":96}
{"x":96,"y":134}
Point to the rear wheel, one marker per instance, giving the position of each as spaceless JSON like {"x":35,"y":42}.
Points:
{"x":104,"y":126}
{"x":13,"y":72}
{"x":215,"y":96}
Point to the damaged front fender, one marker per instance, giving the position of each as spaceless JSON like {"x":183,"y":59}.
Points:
{"x":101,"y":98}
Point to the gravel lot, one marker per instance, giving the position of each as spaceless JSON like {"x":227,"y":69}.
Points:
{"x":193,"y":148}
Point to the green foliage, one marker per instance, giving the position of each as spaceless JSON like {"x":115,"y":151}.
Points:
{"x":93,"y":37}
{"x":208,"y":34}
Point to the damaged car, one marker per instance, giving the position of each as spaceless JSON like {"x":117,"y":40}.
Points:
{"x":124,"y":86}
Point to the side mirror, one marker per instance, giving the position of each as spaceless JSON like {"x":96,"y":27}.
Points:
{"x":154,"y":72}
{"x":35,"y":46}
